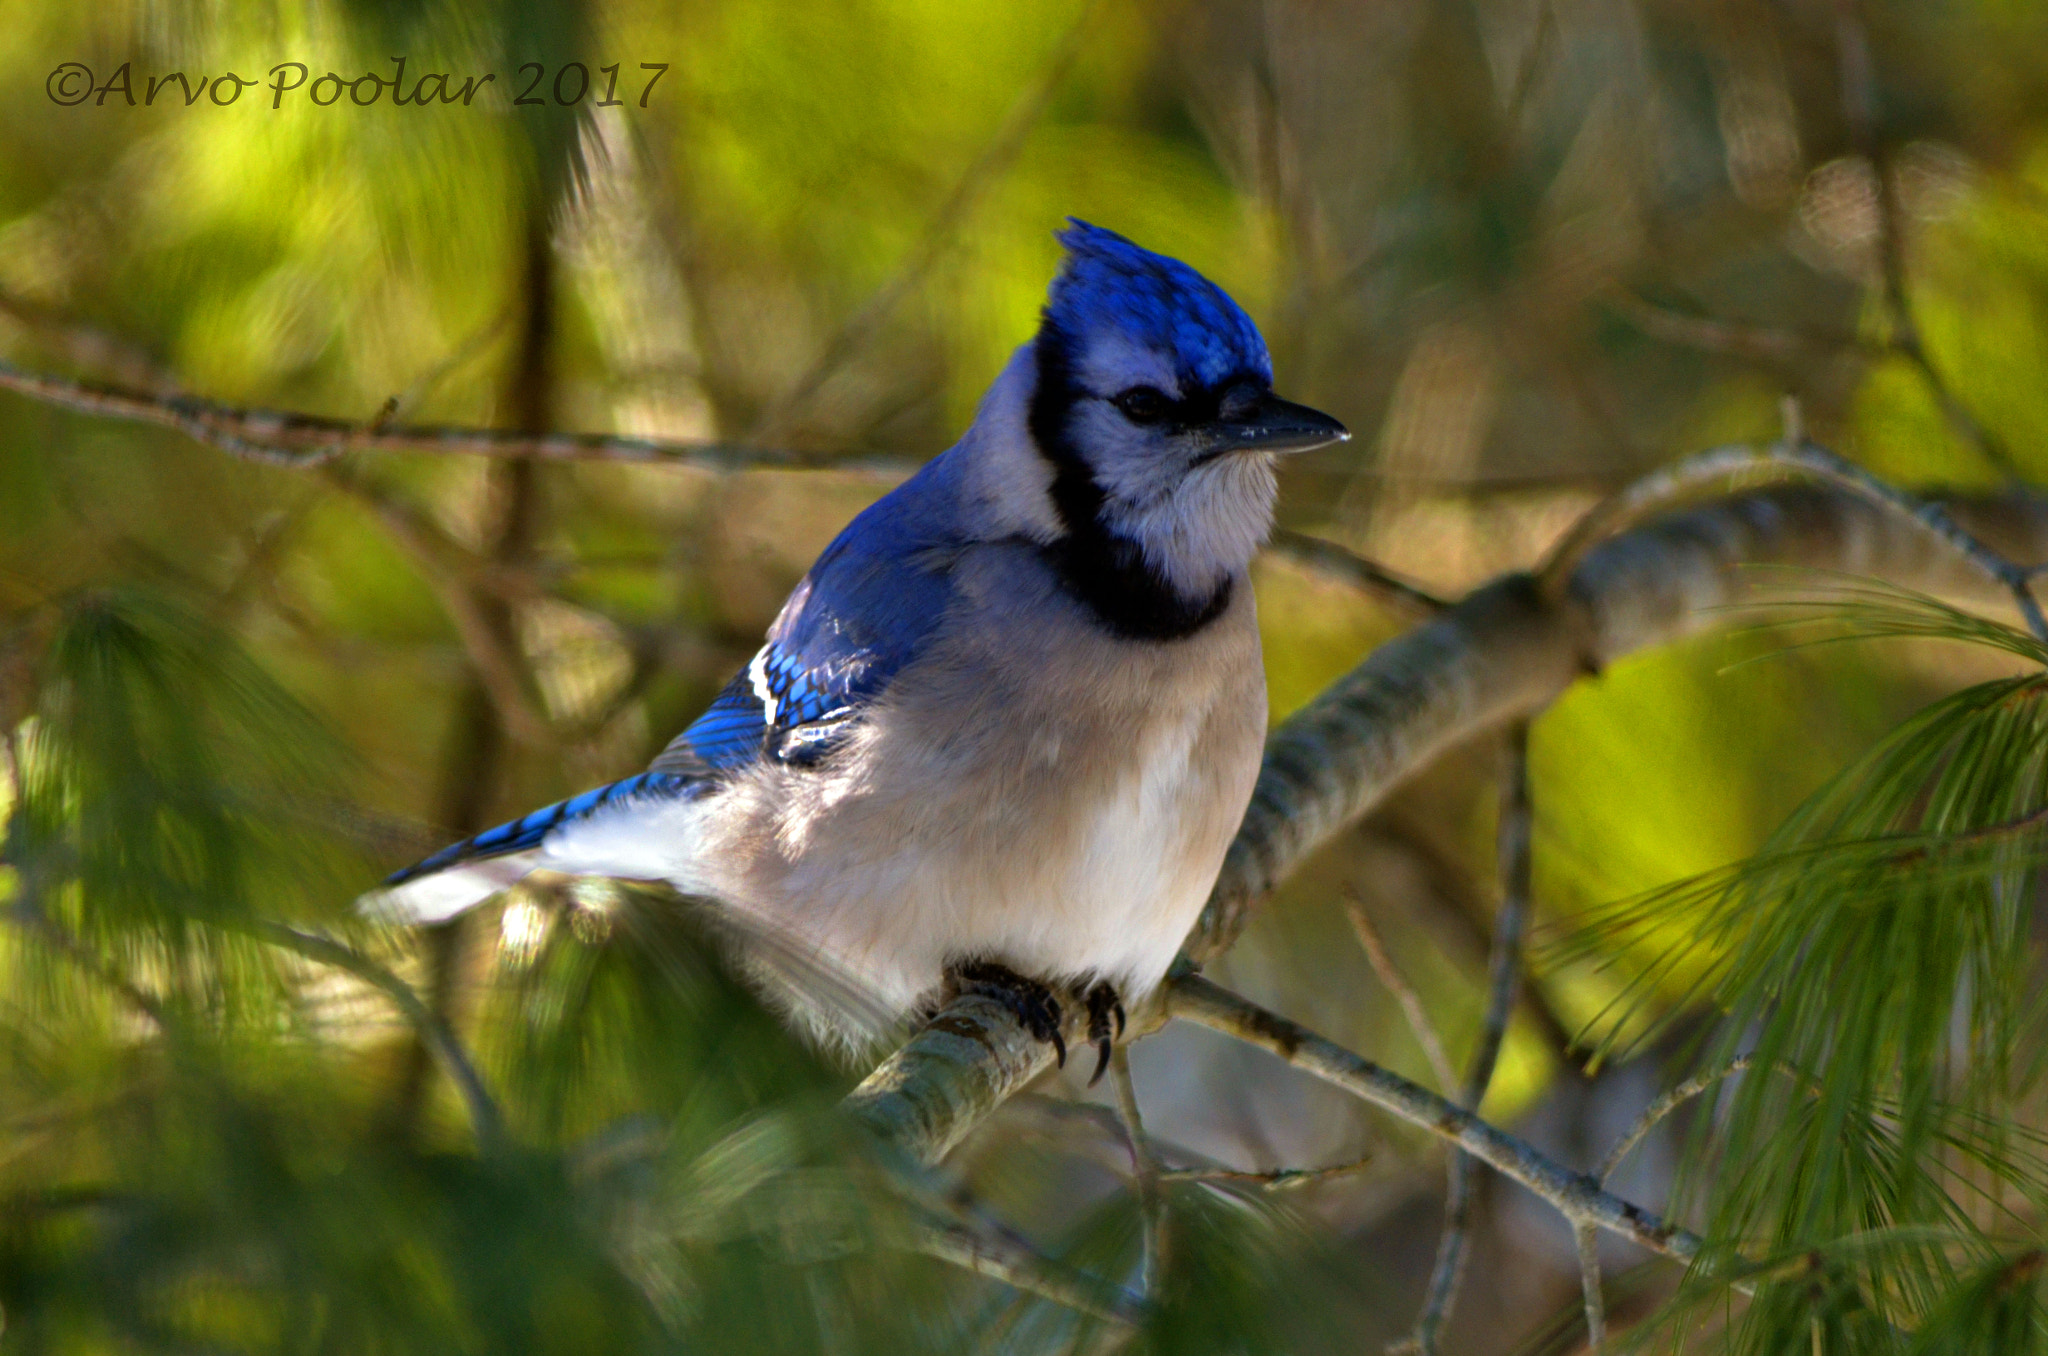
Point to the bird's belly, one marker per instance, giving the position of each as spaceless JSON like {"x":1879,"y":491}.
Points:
{"x":1058,"y":864}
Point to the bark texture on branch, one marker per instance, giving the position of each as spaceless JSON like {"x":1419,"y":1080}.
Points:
{"x":1501,"y":654}
{"x":929,"y":1094}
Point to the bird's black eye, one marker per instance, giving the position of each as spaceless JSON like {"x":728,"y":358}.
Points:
{"x":1142,"y":404}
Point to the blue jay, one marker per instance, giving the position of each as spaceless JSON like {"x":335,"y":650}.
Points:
{"x":1002,"y":733}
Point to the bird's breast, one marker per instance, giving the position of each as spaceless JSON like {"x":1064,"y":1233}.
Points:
{"x":1033,"y":789}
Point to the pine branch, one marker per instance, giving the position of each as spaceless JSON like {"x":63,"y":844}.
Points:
{"x":25,"y":915}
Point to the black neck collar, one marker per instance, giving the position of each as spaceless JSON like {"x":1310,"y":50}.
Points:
{"x":1105,"y":571}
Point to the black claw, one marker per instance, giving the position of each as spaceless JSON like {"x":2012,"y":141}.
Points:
{"x":1103,"y":1006}
{"x":1031,"y":1001}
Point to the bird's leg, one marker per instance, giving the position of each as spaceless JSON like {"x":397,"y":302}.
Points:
{"x":1103,"y":1004}
{"x":1031,"y":1000}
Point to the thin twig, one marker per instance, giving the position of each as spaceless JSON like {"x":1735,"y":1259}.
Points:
{"x":1280,"y":1179}
{"x":1099,"y":1118}
{"x":282,"y":438}
{"x":1588,"y":1239}
{"x":1397,"y":984}
{"x":1659,"y":1109}
{"x":1729,"y":338}
{"x":1003,"y":1259}
{"x":1326,"y":557}
{"x":950,"y":1231}
{"x":484,"y":1117}
{"x":1574,"y":1195}
{"x":1504,"y":971}
{"x":1145,"y":1169}
{"x":1739,"y":465}
{"x":947,"y":1223}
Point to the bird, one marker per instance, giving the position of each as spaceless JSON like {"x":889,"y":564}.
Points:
{"x":1000,"y":735}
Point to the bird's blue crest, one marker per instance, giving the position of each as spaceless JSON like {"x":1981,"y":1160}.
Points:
{"x":1110,"y":283}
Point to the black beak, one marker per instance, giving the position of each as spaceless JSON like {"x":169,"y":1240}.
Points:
{"x":1269,"y":424}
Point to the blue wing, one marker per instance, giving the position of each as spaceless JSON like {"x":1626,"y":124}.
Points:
{"x":863,"y":612}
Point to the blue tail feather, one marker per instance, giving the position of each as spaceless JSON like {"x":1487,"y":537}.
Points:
{"x":527,"y":832}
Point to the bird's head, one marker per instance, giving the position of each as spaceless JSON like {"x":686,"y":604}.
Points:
{"x":1154,"y":405}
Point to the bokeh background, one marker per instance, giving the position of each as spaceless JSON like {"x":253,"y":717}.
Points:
{"x":1527,"y":249}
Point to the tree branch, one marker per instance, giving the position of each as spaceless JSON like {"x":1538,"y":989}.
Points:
{"x":457,"y":578}
{"x":948,"y":1077}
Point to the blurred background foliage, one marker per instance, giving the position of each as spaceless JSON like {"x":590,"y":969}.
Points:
{"x":1526,"y":249}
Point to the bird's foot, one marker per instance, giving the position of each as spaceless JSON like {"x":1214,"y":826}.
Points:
{"x":1032,"y":1001}
{"x":1103,"y":1006}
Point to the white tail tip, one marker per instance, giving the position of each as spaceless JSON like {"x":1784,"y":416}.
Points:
{"x":439,"y":897}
